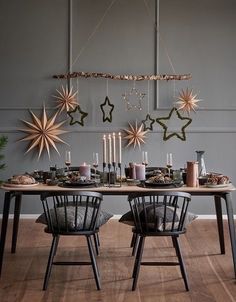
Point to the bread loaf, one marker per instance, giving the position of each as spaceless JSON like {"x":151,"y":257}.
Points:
{"x":22,"y":179}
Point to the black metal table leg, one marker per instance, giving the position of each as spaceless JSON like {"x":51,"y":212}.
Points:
{"x":220,"y":226}
{"x":6,"y":208}
{"x":16,"y":222}
{"x":230,"y":214}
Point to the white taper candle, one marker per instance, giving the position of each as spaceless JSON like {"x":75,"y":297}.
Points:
{"x":114,"y":147}
{"x":104,"y":149}
{"x":109,"y":149}
{"x":119,"y":139}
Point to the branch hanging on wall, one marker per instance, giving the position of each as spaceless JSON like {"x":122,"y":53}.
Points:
{"x":128,"y":77}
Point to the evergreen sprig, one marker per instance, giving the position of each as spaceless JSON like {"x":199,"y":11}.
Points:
{"x":3,"y":142}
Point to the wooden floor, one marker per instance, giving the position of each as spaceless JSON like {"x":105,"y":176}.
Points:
{"x":210,"y":274}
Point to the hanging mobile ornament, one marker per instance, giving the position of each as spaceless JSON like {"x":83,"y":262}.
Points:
{"x":107,"y":107}
{"x":77,"y":115}
{"x":138,"y":95}
{"x":135,"y":135}
{"x":148,"y":122}
{"x":168,"y":134}
{"x":66,"y":99}
{"x":187,"y":101}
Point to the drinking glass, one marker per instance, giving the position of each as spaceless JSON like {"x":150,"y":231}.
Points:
{"x":169,"y":162}
{"x":68,"y":159}
{"x":145,"y":158}
{"x":95,"y":163}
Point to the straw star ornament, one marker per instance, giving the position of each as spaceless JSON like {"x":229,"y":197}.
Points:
{"x":187,"y":101}
{"x":66,"y":99}
{"x":135,"y":135}
{"x":43,"y":133}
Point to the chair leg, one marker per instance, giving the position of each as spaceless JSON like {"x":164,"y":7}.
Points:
{"x":50,"y":261}
{"x":94,"y":262}
{"x":181,"y":262}
{"x":96,"y":242}
{"x":56,"y":244}
{"x":133,"y":240}
{"x":135,"y":244}
{"x":137,"y":263}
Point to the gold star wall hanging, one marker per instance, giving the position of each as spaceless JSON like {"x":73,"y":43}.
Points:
{"x":135,"y":135}
{"x":107,"y":113}
{"x":66,"y":99}
{"x":77,"y":112}
{"x":148,"y":122}
{"x":43,"y":133}
{"x":180,"y":135}
{"x":187,"y":102}
{"x":139,"y":97}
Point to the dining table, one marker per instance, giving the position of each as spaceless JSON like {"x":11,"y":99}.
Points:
{"x":219,"y":193}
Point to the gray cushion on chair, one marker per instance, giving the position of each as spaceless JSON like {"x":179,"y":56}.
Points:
{"x":103,"y":217}
{"x":157,"y":217}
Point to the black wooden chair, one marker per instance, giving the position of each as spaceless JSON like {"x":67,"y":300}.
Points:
{"x":72,"y":213}
{"x":76,"y":169}
{"x":159,"y":214}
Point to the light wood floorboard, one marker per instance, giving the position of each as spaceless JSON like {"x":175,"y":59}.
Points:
{"x":210,"y":274}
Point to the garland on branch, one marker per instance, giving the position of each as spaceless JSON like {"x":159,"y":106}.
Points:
{"x":128,"y":77}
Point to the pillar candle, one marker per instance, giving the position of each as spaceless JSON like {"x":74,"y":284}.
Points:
{"x":109,"y":149}
{"x":84,"y":170}
{"x":104,"y":149}
{"x":119,"y":139}
{"x":140,"y":171}
{"x":114,"y":147}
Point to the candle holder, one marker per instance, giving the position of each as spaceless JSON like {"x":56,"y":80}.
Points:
{"x":111,"y":171}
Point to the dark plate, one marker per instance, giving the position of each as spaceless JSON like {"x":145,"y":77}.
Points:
{"x":153,"y":184}
{"x":86,"y":183}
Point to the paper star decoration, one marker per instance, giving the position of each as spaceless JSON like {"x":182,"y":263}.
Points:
{"x":187,"y":102}
{"x":107,"y":116}
{"x":136,"y":135}
{"x":139,"y":97}
{"x":180,"y":135}
{"x":148,"y":120}
{"x":66,"y":99}
{"x":43,"y":133}
{"x":82,"y":116}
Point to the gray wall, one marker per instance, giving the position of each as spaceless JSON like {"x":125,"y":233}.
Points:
{"x":199,"y":37}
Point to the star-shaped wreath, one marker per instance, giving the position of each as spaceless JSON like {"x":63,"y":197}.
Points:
{"x":82,"y":116}
{"x":43,"y":133}
{"x":107,"y":116}
{"x":139,"y":97}
{"x":148,"y":122}
{"x":186,"y":120}
{"x":135,"y":135}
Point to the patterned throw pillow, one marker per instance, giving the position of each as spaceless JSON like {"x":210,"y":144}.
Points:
{"x":155,"y":217}
{"x":103,"y":218}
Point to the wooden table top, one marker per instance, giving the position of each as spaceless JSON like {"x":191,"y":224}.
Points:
{"x":118,"y":190}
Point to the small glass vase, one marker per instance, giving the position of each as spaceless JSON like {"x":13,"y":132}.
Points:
{"x":201,"y":164}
